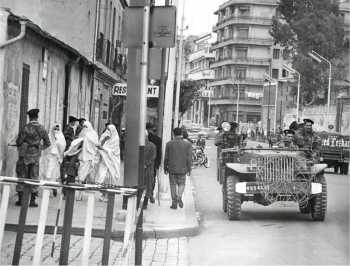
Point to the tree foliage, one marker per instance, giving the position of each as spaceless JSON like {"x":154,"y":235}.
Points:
{"x":188,"y":92}
{"x":306,"y":25}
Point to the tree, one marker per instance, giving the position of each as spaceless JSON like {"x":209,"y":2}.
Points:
{"x":305,"y":25}
{"x":188,"y":92}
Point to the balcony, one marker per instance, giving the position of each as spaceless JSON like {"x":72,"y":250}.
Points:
{"x":247,"y":2}
{"x":226,"y":100}
{"x":234,"y":19}
{"x":240,"y":61}
{"x":110,"y":55}
{"x":239,"y":40}
{"x":228,"y":80}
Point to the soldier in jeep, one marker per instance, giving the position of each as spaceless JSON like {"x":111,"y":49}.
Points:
{"x":306,"y":138}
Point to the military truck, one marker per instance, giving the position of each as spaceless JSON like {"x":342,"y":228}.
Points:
{"x":335,"y":151}
{"x":269,"y":175}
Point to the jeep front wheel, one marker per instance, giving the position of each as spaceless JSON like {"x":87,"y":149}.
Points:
{"x":224,"y":196}
{"x":319,"y":202}
{"x":233,"y":199}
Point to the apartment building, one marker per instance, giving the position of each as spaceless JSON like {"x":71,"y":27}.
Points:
{"x":198,"y":69}
{"x":244,"y":53}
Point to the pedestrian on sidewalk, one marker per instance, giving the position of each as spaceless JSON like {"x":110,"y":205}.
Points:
{"x":108,"y":169}
{"x":31,"y":140}
{"x":177,"y":163}
{"x":157,"y":141}
{"x":70,"y":164}
{"x":150,"y":157}
{"x":53,"y":156}
{"x":80,"y":126}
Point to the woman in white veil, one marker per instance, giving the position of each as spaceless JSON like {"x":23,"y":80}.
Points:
{"x":53,"y":156}
{"x":108,"y":171}
{"x":88,"y":156}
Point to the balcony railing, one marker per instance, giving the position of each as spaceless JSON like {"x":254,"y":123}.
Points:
{"x":240,"y":40}
{"x":242,"y":19}
{"x":247,"y":2}
{"x":111,"y":55}
{"x":223,"y":80}
{"x":239,"y":60}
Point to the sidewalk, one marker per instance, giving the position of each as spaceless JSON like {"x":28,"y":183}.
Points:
{"x":166,"y":232}
{"x":159,"y":220}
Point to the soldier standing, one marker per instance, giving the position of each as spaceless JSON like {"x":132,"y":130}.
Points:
{"x":306,"y":138}
{"x":29,"y":151}
{"x":230,"y":138}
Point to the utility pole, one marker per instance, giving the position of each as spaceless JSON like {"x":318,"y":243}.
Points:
{"x":179,"y":68}
{"x":163,"y":77}
{"x":167,"y":118}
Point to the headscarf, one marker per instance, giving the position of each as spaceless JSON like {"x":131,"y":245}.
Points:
{"x":58,"y":142}
{"x":90,"y":142}
{"x":110,"y":156}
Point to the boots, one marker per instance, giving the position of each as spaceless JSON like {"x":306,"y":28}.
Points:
{"x":19,"y":201}
{"x":32,"y":201}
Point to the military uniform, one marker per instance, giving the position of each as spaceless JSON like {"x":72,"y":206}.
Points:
{"x":29,"y":151}
{"x":309,"y":140}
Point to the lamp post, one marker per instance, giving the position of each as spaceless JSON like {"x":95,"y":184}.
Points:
{"x":319,"y":58}
{"x":237,"y":107}
{"x":275,"y":82}
{"x":292,"y":70}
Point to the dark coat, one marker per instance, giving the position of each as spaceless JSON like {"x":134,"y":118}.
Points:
{"x":178,"y":156}
{"x":157,"y":141}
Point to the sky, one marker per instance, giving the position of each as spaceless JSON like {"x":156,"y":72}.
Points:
{"x":199,"y":15}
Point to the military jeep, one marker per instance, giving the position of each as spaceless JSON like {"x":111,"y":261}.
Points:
{"x":269,"y":175}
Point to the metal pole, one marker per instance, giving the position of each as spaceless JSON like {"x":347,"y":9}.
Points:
{"x":21,"y":225}
{"x":237,"y":110}
{"x":298,"y":95}
{"x":209,"y":107}
{"x":179,"y":68}
{"x":268,"y":112}
{"x":329,"y":90}
{"x":67,"y":226}
{"x":108,"y":229}
{"x":316,"y":56}
{"x":162,"y":87}
{"x":275,"y":115}
{"x":142,"y":120}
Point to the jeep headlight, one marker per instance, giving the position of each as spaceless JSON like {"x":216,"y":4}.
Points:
{"x":226,"y":126}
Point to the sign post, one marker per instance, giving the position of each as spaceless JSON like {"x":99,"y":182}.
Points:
{"x":141,"y":31}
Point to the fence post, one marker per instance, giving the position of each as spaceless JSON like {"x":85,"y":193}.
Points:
{"x":108,"y":228}
{"x":3,"y":210}
{"x":88,"y":227}
{"x":21,"y":224}
{"x":67,"y":226}
{"x":41,"y":226}
{"x":139,"y":231}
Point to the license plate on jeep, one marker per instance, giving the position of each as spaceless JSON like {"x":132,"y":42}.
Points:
{"x":278,"y":187}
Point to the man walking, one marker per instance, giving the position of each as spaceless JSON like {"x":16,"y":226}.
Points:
{"x":157,"y":141}
{"x":29,"y":143}
{"x":178,"y":163}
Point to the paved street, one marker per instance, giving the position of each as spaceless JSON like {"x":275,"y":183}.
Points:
{"x":272,"y":235}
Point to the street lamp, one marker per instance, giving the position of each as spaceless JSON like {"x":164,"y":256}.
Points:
{"x":289,"y":69}
{"x":237,"y":108}
{"x":319,"y":58}
{"x":273,"y":81}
